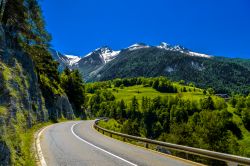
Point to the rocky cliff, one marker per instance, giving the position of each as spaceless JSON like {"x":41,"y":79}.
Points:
{"x":21,"y":100}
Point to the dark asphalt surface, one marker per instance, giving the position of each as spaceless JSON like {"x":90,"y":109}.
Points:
{"x":77,"y":143}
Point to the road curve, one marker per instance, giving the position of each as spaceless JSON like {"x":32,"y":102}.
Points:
{"x":77,"y":143}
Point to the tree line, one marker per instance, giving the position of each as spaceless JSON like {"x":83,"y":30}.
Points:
{"x":161,"y":84}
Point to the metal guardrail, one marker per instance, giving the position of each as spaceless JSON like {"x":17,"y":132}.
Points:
{"x":229,"y":159}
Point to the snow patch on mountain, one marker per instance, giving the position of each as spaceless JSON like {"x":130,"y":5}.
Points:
{"x":164,"y":45}
{"x":137,"y":46}
{"x":169,"y":69}
{"x":72,"y":59}
{"x":199,"y":54}
{"x":88,"y":55}
{"x":181,"y":49}
{"x":197,"y":66}
{"x":108,"y":54}
{"x":105,"y":53}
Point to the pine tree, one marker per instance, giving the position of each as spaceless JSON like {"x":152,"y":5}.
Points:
{"x":73,"y":85}
{"x":155,"y":84}
{"x":207,"y":103}
{"x":13,"y":14}
{"x":122,"y":110}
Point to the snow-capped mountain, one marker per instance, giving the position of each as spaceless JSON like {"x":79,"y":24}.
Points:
{"x":105,"y":53}
{"x":173,"y":61}
{"x":168,"y":47}
{"x":94,"y":61}
{"x":181,"y":49}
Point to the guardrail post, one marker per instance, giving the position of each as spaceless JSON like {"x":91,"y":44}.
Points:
{"x":111,"y":135}
{"x":146,"y":145}
{"x":124,"y":140}
{"x":187,"y":156}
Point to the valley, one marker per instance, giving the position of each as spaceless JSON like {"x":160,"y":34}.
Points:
{"x":185,"y":117}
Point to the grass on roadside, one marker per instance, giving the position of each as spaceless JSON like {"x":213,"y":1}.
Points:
{"x":28,"y":139}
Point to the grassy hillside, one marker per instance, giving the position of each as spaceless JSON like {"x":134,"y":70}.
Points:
{"x":184,"y":115}
{"x":140,"y":91}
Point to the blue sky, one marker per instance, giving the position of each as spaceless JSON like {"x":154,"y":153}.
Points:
{"x":216,"y":27}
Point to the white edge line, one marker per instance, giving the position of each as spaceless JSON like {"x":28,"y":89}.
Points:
{"x":72,"y":130}
{"x":39,"y":149}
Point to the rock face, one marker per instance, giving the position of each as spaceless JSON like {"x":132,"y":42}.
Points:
{"x":21,"y":101}
{"x":61,"y":108}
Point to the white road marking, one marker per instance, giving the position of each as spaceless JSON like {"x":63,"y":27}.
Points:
{"x":72,"y":130}
{"x":39,"y":149}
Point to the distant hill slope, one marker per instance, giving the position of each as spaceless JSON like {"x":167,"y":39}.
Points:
{"x":243,"y":62}
{"x":225,"y":75}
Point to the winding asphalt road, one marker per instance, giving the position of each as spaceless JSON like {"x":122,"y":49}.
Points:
{"x":77,"y":143}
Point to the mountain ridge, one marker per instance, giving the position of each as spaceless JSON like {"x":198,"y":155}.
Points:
{"x":226,"y":75}
{"x":107,"y":54}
